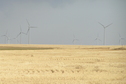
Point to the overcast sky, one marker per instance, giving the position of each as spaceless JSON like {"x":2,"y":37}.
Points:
{"x":62,"y":21}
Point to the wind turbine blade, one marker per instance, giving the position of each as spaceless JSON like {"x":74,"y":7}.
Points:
{"x":108,"y":25}
{"x":95,"y":39}
{"x":7,"y":37}
{"x":99,"y":39}
{"x":101,"y":24}
{"x":23,"y":33}
{"x":32,"y":27}
{"x":18,"y":35}
{"x":27,"y":22}
{"x":28,"y":31}
{"x":123,"y":38}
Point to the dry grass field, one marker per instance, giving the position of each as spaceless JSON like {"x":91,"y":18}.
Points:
{"x":62,"y":64}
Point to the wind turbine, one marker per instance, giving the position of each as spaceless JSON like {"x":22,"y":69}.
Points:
{"x":104,"y":31}
{"x":20,"y":34}
{"x":120,"y":39}
{"x":28,"y":31}
{"x":97,"y":39}
{"x":74,"y":39}
{"x":16,"y":40}
{"x":6,"y":37}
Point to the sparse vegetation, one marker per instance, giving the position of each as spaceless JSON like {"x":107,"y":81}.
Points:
{"x":51,"y":64}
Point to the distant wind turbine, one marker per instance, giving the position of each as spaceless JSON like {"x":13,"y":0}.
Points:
{"x":28,"y":31}
{"x":16,"y":40}
{"x":74,"y":39}
{"x":8,"y":40}
{"x":20,"y":34}
{"x":97,"y":39}
{"x":5,"y":35}
{"x":120,"y":39}
{"x":104,"y":41}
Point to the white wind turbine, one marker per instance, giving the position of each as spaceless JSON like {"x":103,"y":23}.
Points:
{"x":104,"y":40}
{"x":74,"y":39}
{"x":28,"y":31}
{"x":20,"y":34}
{"x":121,"y":39}
{"x":97,"y":39}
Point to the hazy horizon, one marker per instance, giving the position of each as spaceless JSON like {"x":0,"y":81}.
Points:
{"x":62,"y":21}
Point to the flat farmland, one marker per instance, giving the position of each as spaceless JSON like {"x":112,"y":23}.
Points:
{"x":62,"y":64}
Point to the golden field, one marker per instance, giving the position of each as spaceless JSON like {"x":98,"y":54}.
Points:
{"x":62,"y":64}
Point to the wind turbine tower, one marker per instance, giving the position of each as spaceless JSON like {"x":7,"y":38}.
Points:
{"x":28,"y":31}
{"x":104,"y":40}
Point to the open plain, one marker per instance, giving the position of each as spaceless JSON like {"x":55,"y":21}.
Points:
{"x":62,"y":64}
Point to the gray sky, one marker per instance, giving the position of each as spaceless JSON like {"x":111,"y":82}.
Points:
{"x":59,"y":20}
